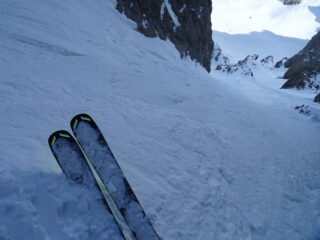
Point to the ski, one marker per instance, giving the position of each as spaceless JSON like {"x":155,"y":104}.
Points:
{"x":96,"y":148}
{"x":75,"y":167}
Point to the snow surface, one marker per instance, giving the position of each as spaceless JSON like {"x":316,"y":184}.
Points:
{"x":238,"y":46}
{"x":74,"y":165}
{"x":207,"y":160}
{"x":245,"y":16}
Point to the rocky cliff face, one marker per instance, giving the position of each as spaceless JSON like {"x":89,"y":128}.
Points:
{"x":291,"y":2}
{"x":187,"y":23}
{"x":304,"y":67}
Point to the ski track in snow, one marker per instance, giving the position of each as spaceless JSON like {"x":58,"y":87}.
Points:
{"x":206,"y":160}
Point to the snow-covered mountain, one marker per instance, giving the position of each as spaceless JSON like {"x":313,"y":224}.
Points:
{"x":286,"y":49}
{"x":210,"y":156}
{"x":238,"y":46}
{"x":245,"y":16}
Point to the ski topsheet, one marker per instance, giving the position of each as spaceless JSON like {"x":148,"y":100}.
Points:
{"x":76,"y":168}
{"x":70,"y":158}
{"x":96,"y":148}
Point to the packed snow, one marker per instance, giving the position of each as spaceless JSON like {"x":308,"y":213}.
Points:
{"x":207,"y":159}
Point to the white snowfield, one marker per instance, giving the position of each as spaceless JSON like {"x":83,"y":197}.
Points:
{"x":265,"y":43}
{"x":207,"y":160}
{"x":263,"y":27}
{"x":245,"y":16}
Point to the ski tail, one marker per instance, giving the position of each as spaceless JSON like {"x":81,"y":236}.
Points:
{"x":100,"y":155}
{"x":74,"y":165}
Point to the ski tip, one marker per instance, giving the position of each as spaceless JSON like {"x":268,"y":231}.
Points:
{"x":80,"y":117}
{"x":58,"y":134}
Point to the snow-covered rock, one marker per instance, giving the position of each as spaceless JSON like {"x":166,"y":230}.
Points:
{"x":245,"y":66}
{"x":267,"y":61}
{"x":218,"y":58}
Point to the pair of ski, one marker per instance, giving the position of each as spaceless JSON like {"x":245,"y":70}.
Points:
{"x":88,"y":160}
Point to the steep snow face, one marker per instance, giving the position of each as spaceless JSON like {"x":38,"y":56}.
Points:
{"x":205,"y":161}
{"x":245,"y":16}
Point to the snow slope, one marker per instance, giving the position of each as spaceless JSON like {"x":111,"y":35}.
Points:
{"x":205,"y":160}
{"x":238,"y":46}
{"x":245,"y":16}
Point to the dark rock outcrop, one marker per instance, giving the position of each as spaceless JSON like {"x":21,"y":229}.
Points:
{"x":187,"y":23}
{"x":317,"y":98}
{"x":304,"y":66}
{"x":281,"y":63}
{"x":291,"y":2}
